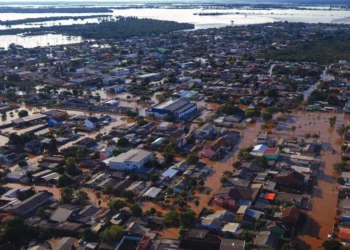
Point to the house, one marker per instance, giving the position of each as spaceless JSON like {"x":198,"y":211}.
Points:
{"x":29,"y":120}
{"x":205,"y":131}
{"x":131,"y":160}
{"x":91,"y":122}
{"x":290,"y":178}
{"x":106,"y":152}
{"x":262,"y":138}
{"x":222,"y":215}
{"x":232,"y":228}
{"x":276,"y":228}
{"x":87,"y":143}
{"x":33,"y":147}
{"x":178,"y":108}
{"x":294,"y":199}
{"x":66,"y":243}
{"x":271,"y":154}
{"x":211,"y":224}
{"x":232,"y":244}
{"x":290,"y":215}
{"x":344,"y":233}
{"x":165,"y":243}
{"x":266,"y":239}
{"x":29,"y":206}
{"x":214,"y":148}
{"x":64,"y":212}
{"x":259,"y":150}
{"x":235,"y":197}
{"x":200,"y":239}
{"x":180,"y":186}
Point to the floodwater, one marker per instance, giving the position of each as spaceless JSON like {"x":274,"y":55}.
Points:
{"x":324,"y":198}
{"x":233,"y":16}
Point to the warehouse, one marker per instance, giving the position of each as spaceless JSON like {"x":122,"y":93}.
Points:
{"x":179,"y":108}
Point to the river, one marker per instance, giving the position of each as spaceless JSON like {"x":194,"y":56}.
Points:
{"x":232,"y":17}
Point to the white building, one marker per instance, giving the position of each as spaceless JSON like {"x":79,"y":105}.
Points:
{"x":120,"y":72}
{"x":131,"y":160}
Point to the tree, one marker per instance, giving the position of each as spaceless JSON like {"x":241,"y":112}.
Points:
{"x":196,"y":203}
{"x":340,"y":181}
{"x":266,"y":116}
{"x":201,"y":183}
{"x":188,"y":218}
{"x":250,"y":113}
{"x":71,"y":168}
{"x":172,"y":219}
{"x":272,"y":93}
{"x":341,"y":131}
{"x":67,"y":195}
{"x":128,"y":195}
{"x":192,"y":159}
{"x":332,"y":121}
{"x":332,"y":245}
{"x":89,"y":235}
{"x":123,"y":142}
{"x":108,"y":189}
{"x":64,"y":180}
{"x":153,"y":211}
{"x":170,"y":191}
{"x":293,"y":128}
{"x":136,"y":210}
{"x":116,"y":205}
{"x":23,"y":113}
{"x":340,"y":166}
{"x":82,"y":198}
{"x":223,"y":180}
{"x":41,"y":213}
{"x":13,"y":78}
{"x":112,"y":233}
{"x":168,"y":157}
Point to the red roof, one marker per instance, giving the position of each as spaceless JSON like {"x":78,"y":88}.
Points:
{"x":270,"y":196}
{"x":344,"y":233}
{"x":270,"y":151}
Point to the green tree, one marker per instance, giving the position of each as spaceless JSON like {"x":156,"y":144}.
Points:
{"x":82,"y":198}
{"x":250,"y":113}
{"x":192,"y":159}
{"x":112,"y":233}
{"x":266,"y":116}
{"x":188,"y":218}
{"x":71,"y":168}
{"x":272,"y":93}
{"x":340,"y":181}
{"x":41,"y":213}
{"x":67,"y":195}
{"x":332,"y":121}
{"x":116,"y":205}
{"x":123,"y":142}
{"x":341,"y":131}
{"x":172,"y":219}
{"x":108,"y":189}
{"x":332,"y":245}
{"x":23,"y":113}
{"x":223,"y":180}
{"x":153,"y":211}
{"x":64,"y":181}
{"x":170,"y":191}
{"x":89,"y":235}
{"x":340,"y":166}
{"x":128,"y":195}
{"x":136,"y":210}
